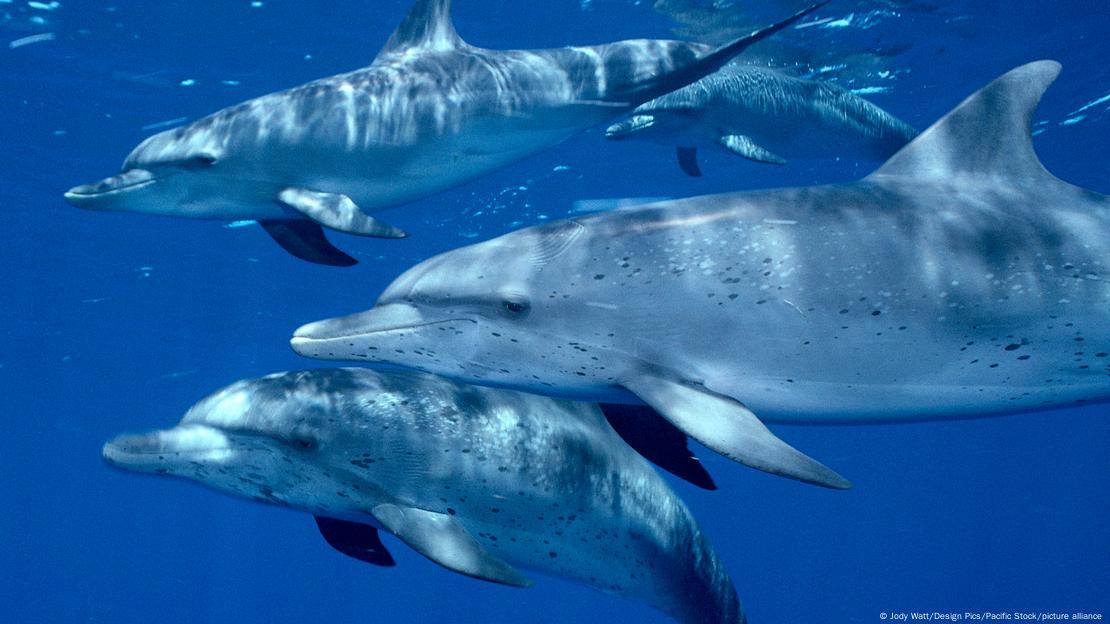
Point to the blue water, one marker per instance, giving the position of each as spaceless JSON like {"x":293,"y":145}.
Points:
{"x":115,"y":322}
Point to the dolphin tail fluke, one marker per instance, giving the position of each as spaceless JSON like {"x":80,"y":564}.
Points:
{"x":988,"y":134}
{"x":726,"y":426}
{"x":306,"y":240}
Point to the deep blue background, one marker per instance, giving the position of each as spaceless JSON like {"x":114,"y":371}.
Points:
{"x":115,"y":322}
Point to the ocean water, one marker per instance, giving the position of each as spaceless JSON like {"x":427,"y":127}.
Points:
{"x":116,"y":322}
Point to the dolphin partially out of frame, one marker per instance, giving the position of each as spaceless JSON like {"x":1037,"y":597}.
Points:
{"x":765,"y":116}
{"x":960,"y":279}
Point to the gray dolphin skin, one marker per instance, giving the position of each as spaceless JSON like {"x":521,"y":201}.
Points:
{"x":765,"y":116}
{"x":475,"y":479}
{"x":431,"y":112}
{"x":960,"y":279}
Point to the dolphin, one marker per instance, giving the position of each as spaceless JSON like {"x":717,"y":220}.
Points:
{"x":960,"y":279}
{"x":431,"y":112}
{"x":762,"y":115}
{"x":477,"y":480}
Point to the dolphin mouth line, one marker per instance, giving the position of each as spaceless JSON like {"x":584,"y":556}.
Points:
{"x":306,"y":340}
{"x":100,"y":189}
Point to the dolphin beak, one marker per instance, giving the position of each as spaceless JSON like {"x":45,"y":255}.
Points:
{"x":161,"y":451}
{"x":635,"y":123}
{"x":353,"y":337}
{"x":93,"y":195}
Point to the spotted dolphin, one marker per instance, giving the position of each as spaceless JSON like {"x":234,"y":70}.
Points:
{"x":430,"y":113}
{"x":477,"y":480}
{"x":765,"y":116}
{"x":960,"y":279}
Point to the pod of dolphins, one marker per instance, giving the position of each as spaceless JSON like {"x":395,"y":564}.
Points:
{"x":546,"y":367}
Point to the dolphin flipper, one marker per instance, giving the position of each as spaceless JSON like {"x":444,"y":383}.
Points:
{"x":658,"y":441}
{"x":356,"y":540}
{"x":688,"y":161}
{"x":726,"y":426}
{"x":337,"y":212}
{"x":306,"y":240}
{"x":445,"y":541}
{"x":744,"y":146}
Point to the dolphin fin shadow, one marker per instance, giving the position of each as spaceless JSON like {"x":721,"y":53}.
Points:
{"x":444,"y":540}
{"x":306,"y":240}
{"x":359,"y":541}
{"x":726,"y":426}
{"x":658,"y":441}
{"x":688,"y":161}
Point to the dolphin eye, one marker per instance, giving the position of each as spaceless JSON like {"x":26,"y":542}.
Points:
{"x":192,"y":163}
{"x":302,"y":437}
{"x":200,"y":161}
{"x":516,"y":307}
{"x":304,"y":443}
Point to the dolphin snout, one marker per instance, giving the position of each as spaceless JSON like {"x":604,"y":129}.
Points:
{"x":353,"y":337}
{"x":125,"y":450}
{"x":90,"y":195}
{"x":635,"y":123}
{"x":160,"y":451}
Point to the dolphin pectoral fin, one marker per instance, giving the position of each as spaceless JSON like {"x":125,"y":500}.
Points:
{"x":743,"y":146}
{"x":688,"y":161}
{"x":658,"y":441}
{"x":337,"y":212}
{"x":444,"y":540}
{"x":356,"y":540}
{"x":306,"y":240}
{"x":726,"y":426}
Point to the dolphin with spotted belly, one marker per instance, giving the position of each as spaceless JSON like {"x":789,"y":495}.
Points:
{"x":431,"y":112}
{"x":960,"y":279}
{"x":765,"y":116}
{"x":477,"y":480}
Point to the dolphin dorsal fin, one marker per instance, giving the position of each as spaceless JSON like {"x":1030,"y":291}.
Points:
{"x":988,"y":134}
{"x":427,"y":27}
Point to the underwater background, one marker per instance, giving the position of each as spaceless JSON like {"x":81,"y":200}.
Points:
{"x":116,"y":322}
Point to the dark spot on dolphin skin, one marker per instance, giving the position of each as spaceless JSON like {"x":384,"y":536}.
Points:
{"x":843,"y":310}
{"x":599,"y":276}
{"x":994,"y":365}
{"x":552,"y":554}
{"x":1100,"y":354}
{"x":1023,"y":357}
{"x":876,"y":312}
{"x":451,"y":511}
{"x":1013,"y":347}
